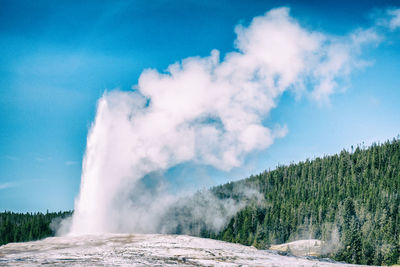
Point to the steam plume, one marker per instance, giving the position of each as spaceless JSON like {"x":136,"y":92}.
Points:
{"x":206,"y":110}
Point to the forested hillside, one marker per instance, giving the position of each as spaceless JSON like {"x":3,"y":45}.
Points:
{"x":350,"y":200}
{"x":19,"y":227}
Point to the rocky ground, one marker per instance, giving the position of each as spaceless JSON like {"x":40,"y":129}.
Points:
{"x":144,"y":250}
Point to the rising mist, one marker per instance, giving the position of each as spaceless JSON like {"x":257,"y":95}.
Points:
{"x":206,"y":110}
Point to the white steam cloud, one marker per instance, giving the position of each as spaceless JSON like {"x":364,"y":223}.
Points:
{"x":207,"y":110}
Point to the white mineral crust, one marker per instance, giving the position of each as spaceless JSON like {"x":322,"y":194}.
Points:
{"x":143,"y":250}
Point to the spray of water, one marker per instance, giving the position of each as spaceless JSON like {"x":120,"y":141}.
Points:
{"x":205,"y":110}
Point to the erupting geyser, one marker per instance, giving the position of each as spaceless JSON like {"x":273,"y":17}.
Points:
{"x":205,"y":110}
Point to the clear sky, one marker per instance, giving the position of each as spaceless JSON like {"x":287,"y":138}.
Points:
{"x":58,"y":57}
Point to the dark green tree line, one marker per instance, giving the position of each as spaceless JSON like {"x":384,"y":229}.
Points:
{"x":20,"y":227}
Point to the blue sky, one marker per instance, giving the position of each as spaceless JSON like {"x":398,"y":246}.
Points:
{"x":58,"y":57}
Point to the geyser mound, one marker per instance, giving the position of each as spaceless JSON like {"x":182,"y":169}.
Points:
{"x":143,"y":250}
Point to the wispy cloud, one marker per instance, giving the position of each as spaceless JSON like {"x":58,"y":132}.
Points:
{"x":71,"y":162}
{"x":373,"y":101}
{"x":42,"y":159}
{"x":7,"y":185}
{"x":9,"y":157}
{"x":388,"y":18}
{"x":394,"y":21}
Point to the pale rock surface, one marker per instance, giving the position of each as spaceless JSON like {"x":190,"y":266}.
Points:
{"x":143,"y":250}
